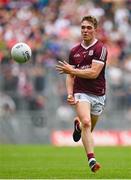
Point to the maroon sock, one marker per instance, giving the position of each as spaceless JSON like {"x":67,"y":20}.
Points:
{"x":90,"y":155}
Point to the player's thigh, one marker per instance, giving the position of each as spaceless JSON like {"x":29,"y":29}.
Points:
{"x":94,"y":119}
{"x":83,"y":111}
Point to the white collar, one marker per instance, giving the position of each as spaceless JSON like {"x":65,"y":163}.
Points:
{"x":86,"y":47}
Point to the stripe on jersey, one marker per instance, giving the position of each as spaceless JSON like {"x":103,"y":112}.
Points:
{"x":98,"y":61}
{"x":103,"y":53}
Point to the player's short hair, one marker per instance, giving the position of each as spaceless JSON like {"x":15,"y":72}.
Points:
{"x":91,"y":19}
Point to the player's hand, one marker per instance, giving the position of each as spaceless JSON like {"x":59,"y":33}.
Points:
{"x":64,"y":68}
{"x":71,"y":100}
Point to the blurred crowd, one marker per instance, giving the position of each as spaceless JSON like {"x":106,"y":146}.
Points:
{"x":51,"y":28}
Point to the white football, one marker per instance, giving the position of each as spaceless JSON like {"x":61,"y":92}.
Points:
{"x":21,"y":52}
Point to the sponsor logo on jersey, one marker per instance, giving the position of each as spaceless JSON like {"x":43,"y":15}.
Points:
{"x":85,"y":67}
{"x":77,"y":55}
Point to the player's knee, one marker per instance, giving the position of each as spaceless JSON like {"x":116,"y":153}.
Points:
{"x":86,"y":123}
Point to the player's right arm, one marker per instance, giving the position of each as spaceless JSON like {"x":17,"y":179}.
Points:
{"x":70,"y":82}
{"x":69,"y":87}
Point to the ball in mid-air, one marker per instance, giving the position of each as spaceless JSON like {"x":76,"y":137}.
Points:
{"x":21,"y":52}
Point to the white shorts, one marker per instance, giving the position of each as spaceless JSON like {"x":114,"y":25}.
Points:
{"x":97,"y":102}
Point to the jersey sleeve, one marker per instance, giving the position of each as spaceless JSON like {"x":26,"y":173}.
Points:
{"x":100,"y":54}
{"x":71,"y":59}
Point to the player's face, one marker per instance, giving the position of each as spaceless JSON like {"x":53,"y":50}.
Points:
{"x":87,"y":31}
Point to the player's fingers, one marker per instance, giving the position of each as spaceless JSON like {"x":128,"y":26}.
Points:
{"x":65,"y":62}
{"x":59,"y":69}
{"x":70,"y":103}
{"x":61,"y":62}
{"x":70,"y":99}
{"x":76,"y":102}
{"x":73,"y":103}
{"x":59,"y":66}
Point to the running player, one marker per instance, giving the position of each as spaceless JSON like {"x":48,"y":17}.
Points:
{"x":86,"y":85}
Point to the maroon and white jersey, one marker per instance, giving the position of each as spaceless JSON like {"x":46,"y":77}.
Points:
{"x":81,"y":57}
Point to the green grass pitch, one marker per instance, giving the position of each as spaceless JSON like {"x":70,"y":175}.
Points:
{"x":49,"y":162}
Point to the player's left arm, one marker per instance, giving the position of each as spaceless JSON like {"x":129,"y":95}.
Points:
{"x":89,"y":73}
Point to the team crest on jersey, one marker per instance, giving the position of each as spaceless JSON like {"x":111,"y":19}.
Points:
{"x":91,"y":52}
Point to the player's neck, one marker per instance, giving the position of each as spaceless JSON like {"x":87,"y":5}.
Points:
{"x":88,"y":43}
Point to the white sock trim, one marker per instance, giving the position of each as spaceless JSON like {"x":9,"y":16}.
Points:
{"x":92,"y":159}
